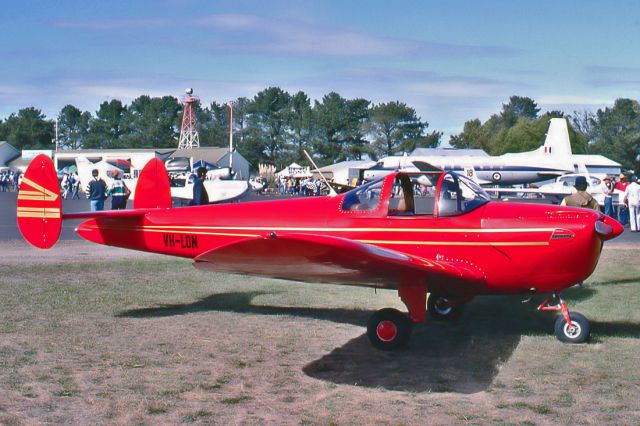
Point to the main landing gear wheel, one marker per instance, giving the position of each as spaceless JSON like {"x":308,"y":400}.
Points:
{"x":389,"y":329}
{"x":576,"y":332}
{"x":438,"y":308}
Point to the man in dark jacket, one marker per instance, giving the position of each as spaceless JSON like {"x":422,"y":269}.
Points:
{"x":97,"y":192}
{"x":200,"y":196}
{"x":581,"y":198}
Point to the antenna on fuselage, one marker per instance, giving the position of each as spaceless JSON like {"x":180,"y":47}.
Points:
{"x":332,"y":192}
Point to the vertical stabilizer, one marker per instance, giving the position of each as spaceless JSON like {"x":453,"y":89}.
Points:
{"x":153,"y":189}
{"x":557,"y":142}
{"x":39,"y":209}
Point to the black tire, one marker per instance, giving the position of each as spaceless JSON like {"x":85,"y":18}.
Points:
{"x":440,"y":313}
{"x":389,"y":329}
{"x":578,"y":333}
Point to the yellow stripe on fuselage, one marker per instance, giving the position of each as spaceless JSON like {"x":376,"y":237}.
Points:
{"x":187,"y":230}
{"x":310,"y":229}
{"x":457,"y":243}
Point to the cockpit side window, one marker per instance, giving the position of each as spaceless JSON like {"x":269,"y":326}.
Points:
{"x":459,"y":195}
{"x":401,"y":199}
{"x":364,"y":198}
{"x":413,"y":193}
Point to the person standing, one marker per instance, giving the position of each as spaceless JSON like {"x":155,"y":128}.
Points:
{"x":632,"y":200}
{"x":623,"y":211}
{"x":581,"y":198}
{"x":607,"y":189}
{"x":65,"y":185}
{"x":76,"y":186}
{"x":97,"y":192}
{"x":200,"y":196}
{"x":118,"y":191}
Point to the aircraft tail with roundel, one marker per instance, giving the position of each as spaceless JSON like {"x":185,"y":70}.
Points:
{"x":39,"y":207}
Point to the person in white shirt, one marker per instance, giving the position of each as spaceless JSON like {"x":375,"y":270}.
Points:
{"x":632,"y":200}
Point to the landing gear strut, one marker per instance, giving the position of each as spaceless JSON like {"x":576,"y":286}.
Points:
{"x":569,"y":327}
{"x":390,"y":329}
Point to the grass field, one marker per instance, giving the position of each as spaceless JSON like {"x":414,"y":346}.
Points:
{"x":152,"y":340}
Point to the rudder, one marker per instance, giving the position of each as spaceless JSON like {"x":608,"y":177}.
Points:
{"x":557,"y":141}
{"x":39,"y":207}
{"x":153,"y":189}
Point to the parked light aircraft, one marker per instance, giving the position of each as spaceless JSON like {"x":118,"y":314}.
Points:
{"x":217,"y":189}
{"x":555,"y":191}
{"x":451,"y":241}
{"x":552,"y":159}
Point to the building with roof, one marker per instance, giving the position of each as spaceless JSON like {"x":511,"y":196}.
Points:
{"x":596,"y":164}
{"x":348,"y":173}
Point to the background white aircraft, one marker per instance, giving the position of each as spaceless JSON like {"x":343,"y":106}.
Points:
{"x":552,"y":159}
{"x":563,"y":186}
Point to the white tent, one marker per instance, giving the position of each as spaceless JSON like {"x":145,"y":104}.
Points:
{"x":295,"y":170}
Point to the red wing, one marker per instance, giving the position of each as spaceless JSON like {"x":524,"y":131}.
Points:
{"x":318,"y":258}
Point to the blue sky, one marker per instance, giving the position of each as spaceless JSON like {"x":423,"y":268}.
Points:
{"x":450,"y":60}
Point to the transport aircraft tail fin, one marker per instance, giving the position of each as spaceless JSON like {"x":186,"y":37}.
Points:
{"x":153,"y":189}
{"x":39,"y":207}
{"x":557,"y":142}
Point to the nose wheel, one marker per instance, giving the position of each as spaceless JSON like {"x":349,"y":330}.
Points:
{"x":575,"y":331}
{"x":570,"y":327}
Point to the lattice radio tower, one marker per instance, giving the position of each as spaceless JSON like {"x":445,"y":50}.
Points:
{"x":189,"y":129}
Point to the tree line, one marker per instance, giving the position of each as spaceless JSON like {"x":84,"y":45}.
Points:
{"x":274,"y":127}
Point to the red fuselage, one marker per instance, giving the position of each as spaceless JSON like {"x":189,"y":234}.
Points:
{"x":517,"y":247}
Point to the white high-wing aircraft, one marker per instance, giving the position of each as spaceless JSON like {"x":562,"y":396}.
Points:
{"x":551,"y":160}
{"x":217,"y":189}
{"x":85,"y":167}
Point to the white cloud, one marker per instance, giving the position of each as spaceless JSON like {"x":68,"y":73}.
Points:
{"x":250,"y":34}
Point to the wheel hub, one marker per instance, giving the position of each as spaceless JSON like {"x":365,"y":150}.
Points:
{"x":572,"y":330}
{"x":441,"y":306}
{"x":387,"y":331}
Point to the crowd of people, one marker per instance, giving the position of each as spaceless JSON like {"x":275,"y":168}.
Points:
{"x":299,"y":186}
{"x":627,"y":211}
{"x":10,"y":181}
{"x":69,"y":185}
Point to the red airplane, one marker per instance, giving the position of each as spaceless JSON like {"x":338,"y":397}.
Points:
{"x":448,"y":239}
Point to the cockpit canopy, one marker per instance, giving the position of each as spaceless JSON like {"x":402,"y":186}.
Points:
{"x":441,"y":194}
{"x":458,"y":195}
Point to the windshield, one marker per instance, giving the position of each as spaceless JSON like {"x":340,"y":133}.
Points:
{"x":571,"y":180}
{"x":458,"y":195}
{"x":366,"y":197}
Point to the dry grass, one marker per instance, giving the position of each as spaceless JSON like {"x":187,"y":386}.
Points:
{"x":152,"y":340}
